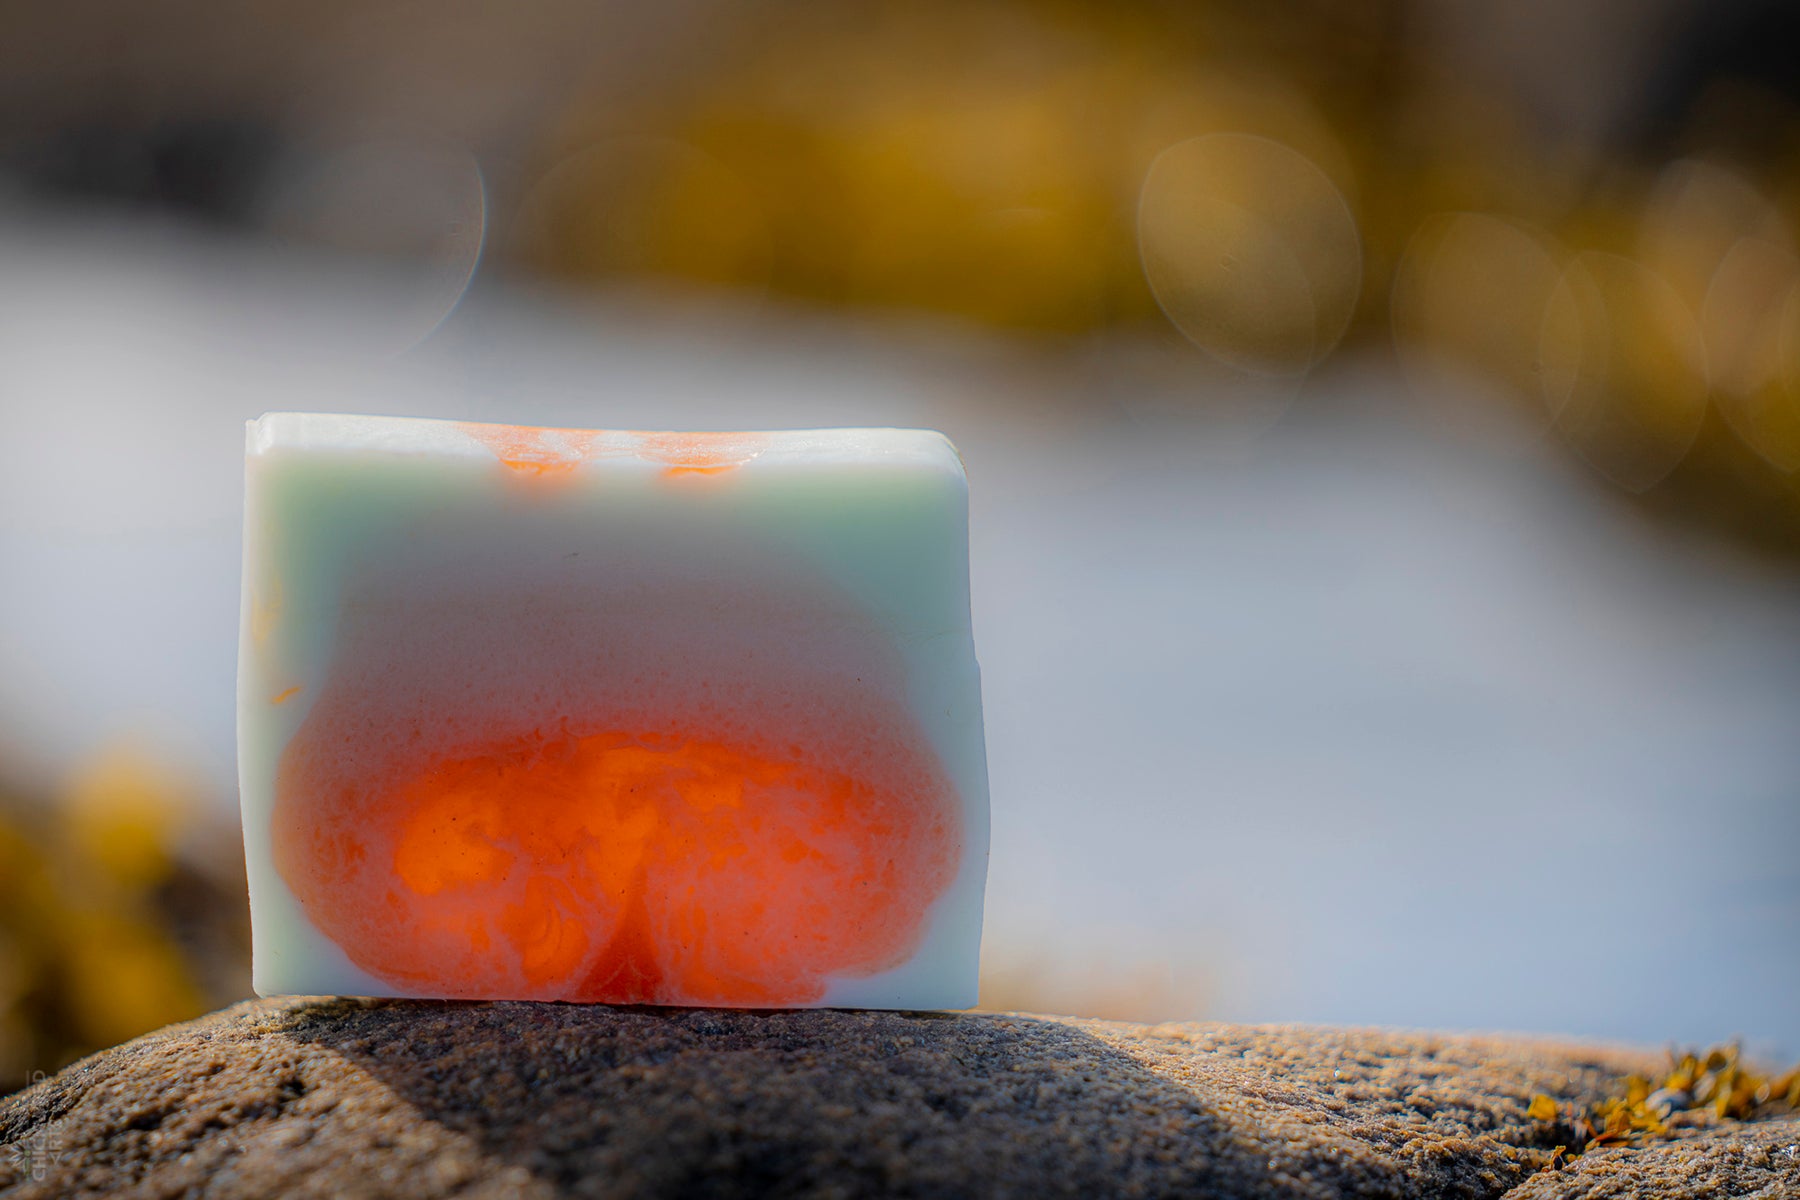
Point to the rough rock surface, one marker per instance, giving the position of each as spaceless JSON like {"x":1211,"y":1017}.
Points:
{"x":337,"y":1098}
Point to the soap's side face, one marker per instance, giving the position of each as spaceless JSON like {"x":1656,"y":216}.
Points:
{"x":680,"y":719}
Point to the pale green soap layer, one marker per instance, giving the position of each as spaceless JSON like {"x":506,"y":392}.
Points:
{"x":881,"y":513}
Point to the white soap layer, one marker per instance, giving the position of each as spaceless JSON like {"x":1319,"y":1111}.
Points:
{"x":597,"y":715}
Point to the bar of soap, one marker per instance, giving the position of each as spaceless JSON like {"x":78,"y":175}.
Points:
{"x":634,"y":718}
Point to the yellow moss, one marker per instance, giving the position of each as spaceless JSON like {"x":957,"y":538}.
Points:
{"x":1696,"y":1090}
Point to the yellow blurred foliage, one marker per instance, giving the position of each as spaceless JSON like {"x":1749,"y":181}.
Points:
{"x":110,"y":925}
{"x":125,"y":975}
{"x":1037,"y":166}
{"x":1624,"y":368}
{"x":121,"y":813}
{"x":982,"y":161}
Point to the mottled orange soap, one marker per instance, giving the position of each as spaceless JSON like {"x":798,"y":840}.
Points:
{"x":554,"y":454}
{"x":598,"y":716}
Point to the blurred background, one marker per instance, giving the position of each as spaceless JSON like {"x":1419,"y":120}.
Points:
{"x":1382,"y":418}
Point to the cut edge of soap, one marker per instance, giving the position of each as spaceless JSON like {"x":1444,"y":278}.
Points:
{"x":313,"y":432}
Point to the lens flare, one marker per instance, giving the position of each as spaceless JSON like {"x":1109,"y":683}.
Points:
{"x":1250,"y":250}
{"x":1697,"y":212}
{"x":1467,"y":311}
{"x":1748,"y":319}
{"x":417,"y":206}
{"x":1624,"y":368}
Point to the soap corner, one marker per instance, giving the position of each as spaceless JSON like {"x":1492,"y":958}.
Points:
{"x":259,"y":435}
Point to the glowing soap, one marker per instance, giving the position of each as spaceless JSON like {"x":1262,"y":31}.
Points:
{"x":635,"y":718}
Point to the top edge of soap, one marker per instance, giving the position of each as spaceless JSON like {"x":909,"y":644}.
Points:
{"x":282,"y":432}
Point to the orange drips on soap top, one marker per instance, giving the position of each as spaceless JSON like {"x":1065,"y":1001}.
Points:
{"x":539,"y":454}
{"x":552,"y":454}
{"x":699,"y":453}
{"x":285,"y":694}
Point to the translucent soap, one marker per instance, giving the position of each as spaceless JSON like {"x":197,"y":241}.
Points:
{"x":636,"y":718}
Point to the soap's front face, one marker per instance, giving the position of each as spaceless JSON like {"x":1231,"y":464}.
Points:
{"x":629,"y":718}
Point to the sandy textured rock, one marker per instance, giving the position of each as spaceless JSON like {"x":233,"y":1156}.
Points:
{"x":344,"y":1098}
{"x":1760,"y":1159}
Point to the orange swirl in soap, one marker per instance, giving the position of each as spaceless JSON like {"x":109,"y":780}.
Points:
{"x":656,"y":796}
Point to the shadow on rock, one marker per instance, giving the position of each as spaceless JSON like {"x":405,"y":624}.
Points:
{"x":332,"y":1098}
{"x":732,"y":1103}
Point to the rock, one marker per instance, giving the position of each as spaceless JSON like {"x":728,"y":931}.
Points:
{"x":1760,"y":1159}
{"x":333,"y":1098}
